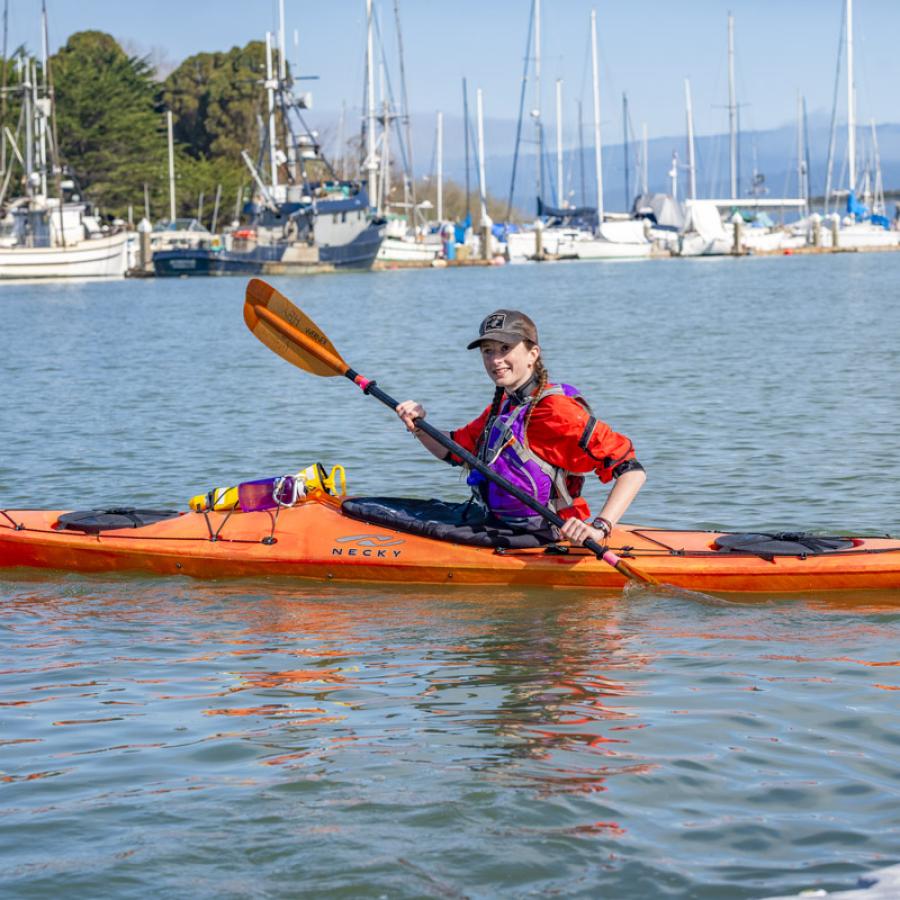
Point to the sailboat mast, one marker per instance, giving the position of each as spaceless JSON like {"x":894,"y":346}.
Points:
{"x":440,"y":167}
{"x":801,"y":154}
{"x":409,"y":181}
{"x":645,"y":166}
{"x":539,"y":134}
{"x":40,"y":107}
{"x":340,"y":140}
{"x":732,"y":108}
{"x":581,"y":153}
{"x":29,"y":126}
{"x":290,"y":140}
{"x":598,"y":152}
{"x":282,"y":45}
{"x":371,"y":162}
{"x":832,"y":133}
{"x":270,"y":93}
{"x":171,"y":166}
{"x":625,"y":152}
{"x":465,"y":88}
{"x":54,"y":144}
{"x":692,"y":163}
{"x":559,"y":146}
{"x":851,"y":101}
{"x":878,"y":193}
{"x":384,"y":182}
{"x":482,"y":188}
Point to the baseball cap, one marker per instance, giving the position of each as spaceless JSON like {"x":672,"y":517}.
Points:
{"x":508,"y":325}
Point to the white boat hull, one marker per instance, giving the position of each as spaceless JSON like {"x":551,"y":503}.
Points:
{"x":863,"y":235}
{"x":103,"y":257}
{"x":597,"y":248}
{"x":398,"y":250}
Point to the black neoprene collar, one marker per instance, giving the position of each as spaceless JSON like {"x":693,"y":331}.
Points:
{"x":523,"y":393}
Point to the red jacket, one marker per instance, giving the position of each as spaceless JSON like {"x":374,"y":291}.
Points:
{"x":562,"y":432}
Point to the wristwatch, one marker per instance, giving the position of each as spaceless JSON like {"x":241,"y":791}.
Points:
{"x":603,"y":525}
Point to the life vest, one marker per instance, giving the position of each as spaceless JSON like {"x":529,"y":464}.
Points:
{"x":504,"y":449}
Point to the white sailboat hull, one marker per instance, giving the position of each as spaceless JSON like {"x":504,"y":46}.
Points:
{"x":863,"y":235}
{"x":522,"y":245}
{"x":103,"y":257}
{"x":597,"y":248}
{"x":399,"y":250}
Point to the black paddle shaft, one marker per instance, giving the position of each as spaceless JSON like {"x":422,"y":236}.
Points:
{"x":372,"y":388}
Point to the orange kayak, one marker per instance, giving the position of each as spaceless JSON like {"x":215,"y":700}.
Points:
{"x":316,"y":540}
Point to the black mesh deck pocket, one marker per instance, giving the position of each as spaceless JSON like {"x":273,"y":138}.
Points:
{"x":93,"y":521}
{"x":786,"y":543}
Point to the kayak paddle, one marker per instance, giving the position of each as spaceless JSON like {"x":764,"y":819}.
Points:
{"x":289,"y":332}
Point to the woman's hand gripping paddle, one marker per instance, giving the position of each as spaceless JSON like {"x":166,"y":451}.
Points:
{"x":291,"y":334}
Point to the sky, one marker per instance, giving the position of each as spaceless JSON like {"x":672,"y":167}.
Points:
{"x":646,"y":47}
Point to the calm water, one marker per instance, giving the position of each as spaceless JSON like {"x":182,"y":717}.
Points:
{"x":277,"y":739}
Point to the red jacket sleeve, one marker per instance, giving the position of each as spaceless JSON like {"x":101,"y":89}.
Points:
{"x":565,"y":434}
{"x":468,"y":435}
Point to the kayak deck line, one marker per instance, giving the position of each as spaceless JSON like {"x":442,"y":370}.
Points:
{"x":316,"y":540}
{"x":627,"y":551}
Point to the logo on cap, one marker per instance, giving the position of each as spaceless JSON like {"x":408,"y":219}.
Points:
{"x":493,"y":323}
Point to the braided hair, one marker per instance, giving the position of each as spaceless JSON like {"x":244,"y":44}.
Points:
{"x":543,"y":377}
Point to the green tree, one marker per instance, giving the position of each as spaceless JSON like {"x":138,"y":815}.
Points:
{"x":217,"y":100}
{"x":110,"y":134}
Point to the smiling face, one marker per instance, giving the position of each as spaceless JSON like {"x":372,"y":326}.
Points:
{"x":509,"y":365}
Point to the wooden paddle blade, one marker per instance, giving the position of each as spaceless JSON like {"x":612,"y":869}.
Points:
{"x":288,"y":331}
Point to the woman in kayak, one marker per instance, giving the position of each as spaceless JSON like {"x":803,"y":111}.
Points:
{"x":542,"y":437}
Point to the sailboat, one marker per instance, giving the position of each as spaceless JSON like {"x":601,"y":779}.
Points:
{"x":704,"y":232}
{"x":299,"y":225}
{"x":863,"y":226}
{"x":44,"y":236}
{"x":616,"y":239}
{"x":404,"y":241}
{"x":541,"y":240}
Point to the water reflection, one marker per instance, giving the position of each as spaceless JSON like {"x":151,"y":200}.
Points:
{"x":567,"y":710}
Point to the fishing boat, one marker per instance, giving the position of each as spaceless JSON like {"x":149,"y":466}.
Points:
{"x":392,"y":541}
{"x":42,"y":235}
{"x":298,"y":223}
{"x":325,"y":228}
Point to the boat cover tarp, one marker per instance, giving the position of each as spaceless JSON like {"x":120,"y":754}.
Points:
{"x":855,"y":208}
{"x":585,"y":216}
{"x":460,"y":229}
{"x":660,"y":209}
{"x":459,"y":523}
{"x":703,"y":217}
{"x":628,"y":231}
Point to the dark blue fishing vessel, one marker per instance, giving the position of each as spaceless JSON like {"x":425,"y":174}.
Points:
{"x":328,"y":227}
{"x":303,"y":219}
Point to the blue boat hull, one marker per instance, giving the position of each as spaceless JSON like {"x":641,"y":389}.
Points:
{"x":360,"y":253}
